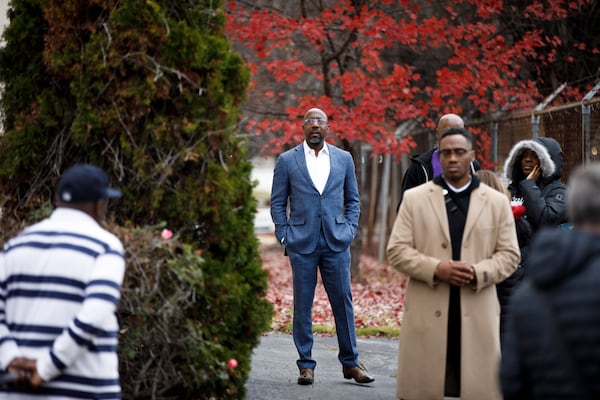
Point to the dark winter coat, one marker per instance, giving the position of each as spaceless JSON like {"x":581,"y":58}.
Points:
{"x":544,"y":200}
{"x":419,"y":171}
{"x":565,"y":267}
{"x":544,"y":203}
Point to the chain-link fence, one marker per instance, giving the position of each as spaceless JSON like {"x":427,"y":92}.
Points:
{"x":564,"y":123}
{"x":594,"y":152}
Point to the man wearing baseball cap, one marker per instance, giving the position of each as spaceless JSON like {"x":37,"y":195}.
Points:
{"x":60,"y":283}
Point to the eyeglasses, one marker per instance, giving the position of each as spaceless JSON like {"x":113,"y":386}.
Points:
{"x":320,"y":121}
{"x":459,"y":152}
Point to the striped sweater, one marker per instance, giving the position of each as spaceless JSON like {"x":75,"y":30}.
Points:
{"x":60,"y":285}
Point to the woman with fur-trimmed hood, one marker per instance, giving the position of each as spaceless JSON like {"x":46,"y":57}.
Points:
{"x":534,"y":169}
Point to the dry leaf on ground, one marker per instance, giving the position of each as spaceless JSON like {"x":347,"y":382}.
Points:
{"x":378,"y":297}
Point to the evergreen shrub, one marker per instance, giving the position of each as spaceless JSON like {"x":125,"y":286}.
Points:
{"x":183,"y":317}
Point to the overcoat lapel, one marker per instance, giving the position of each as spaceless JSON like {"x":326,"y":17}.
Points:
{"x":476,"y":207}
{"x":438,"y":205}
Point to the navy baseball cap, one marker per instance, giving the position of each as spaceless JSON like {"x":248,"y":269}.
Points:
{"x":85,"y":183}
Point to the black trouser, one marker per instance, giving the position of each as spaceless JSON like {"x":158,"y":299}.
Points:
{"x":452,"y":382}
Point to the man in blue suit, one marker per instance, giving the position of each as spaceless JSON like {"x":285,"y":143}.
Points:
{"x":317,"y":181}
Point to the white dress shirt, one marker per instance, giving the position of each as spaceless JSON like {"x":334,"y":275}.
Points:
{"x":318,"y":165}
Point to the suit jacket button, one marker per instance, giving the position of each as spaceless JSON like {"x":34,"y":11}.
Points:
{"x":444,"y":245}
{"x":438,"y":313}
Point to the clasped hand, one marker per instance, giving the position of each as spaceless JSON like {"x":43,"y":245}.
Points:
{"x":26,"y":369}
{"x":457,"y":273}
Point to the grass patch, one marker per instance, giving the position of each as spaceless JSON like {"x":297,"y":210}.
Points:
{"x":372,"y":331}
{"x":379,"y":331}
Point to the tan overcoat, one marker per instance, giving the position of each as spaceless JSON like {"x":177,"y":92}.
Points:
{"x":420,"y":239}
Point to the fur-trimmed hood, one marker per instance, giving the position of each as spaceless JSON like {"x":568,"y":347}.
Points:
{"x":548,"y":151}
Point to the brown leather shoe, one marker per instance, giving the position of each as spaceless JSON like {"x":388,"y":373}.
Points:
{"x":306,"y":377}
{"x":358,"y":373}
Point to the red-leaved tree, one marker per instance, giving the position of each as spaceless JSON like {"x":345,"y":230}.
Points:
{"x":374,"y":64}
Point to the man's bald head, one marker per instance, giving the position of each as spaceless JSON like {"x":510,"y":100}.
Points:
{"x":315,"y":110}
{"x":446,"y":122}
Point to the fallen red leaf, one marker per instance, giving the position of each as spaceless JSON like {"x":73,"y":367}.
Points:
{"x":378,"y":297}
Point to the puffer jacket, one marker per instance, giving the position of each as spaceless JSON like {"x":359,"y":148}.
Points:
{"x":544,"y":203}
{"x":560,"y":294}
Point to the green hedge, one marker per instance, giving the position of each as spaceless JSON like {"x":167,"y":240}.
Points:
{"x":183,"y":317}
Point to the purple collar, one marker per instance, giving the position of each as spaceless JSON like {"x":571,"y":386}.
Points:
{"x":435,"y":163}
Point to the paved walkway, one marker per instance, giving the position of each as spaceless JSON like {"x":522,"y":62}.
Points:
{"x":274,"y":374}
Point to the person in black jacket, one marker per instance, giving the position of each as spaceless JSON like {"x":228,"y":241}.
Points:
{"x":426,"y":166}
{"x":523,"y":230}
{"x":551,"y":346}
{"x":534,"y":169}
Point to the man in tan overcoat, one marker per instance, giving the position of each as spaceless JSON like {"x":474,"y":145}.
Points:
{"x":455,"y":239}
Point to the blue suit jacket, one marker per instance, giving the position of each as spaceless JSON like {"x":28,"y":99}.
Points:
{"x":336,"y":211}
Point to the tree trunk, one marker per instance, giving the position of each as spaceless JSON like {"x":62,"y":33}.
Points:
{"x":356,"y":246}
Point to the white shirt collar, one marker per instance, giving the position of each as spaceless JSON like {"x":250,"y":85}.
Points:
{"x":308,"y":150}
{"x":460,"y":189}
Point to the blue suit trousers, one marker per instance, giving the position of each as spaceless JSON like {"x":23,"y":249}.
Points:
{"x":335,"y":274}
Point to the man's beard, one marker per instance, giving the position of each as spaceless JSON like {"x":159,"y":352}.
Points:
{"x":315,"y":141}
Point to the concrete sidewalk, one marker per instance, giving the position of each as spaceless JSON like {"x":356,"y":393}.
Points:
{"x":274,"y":374}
